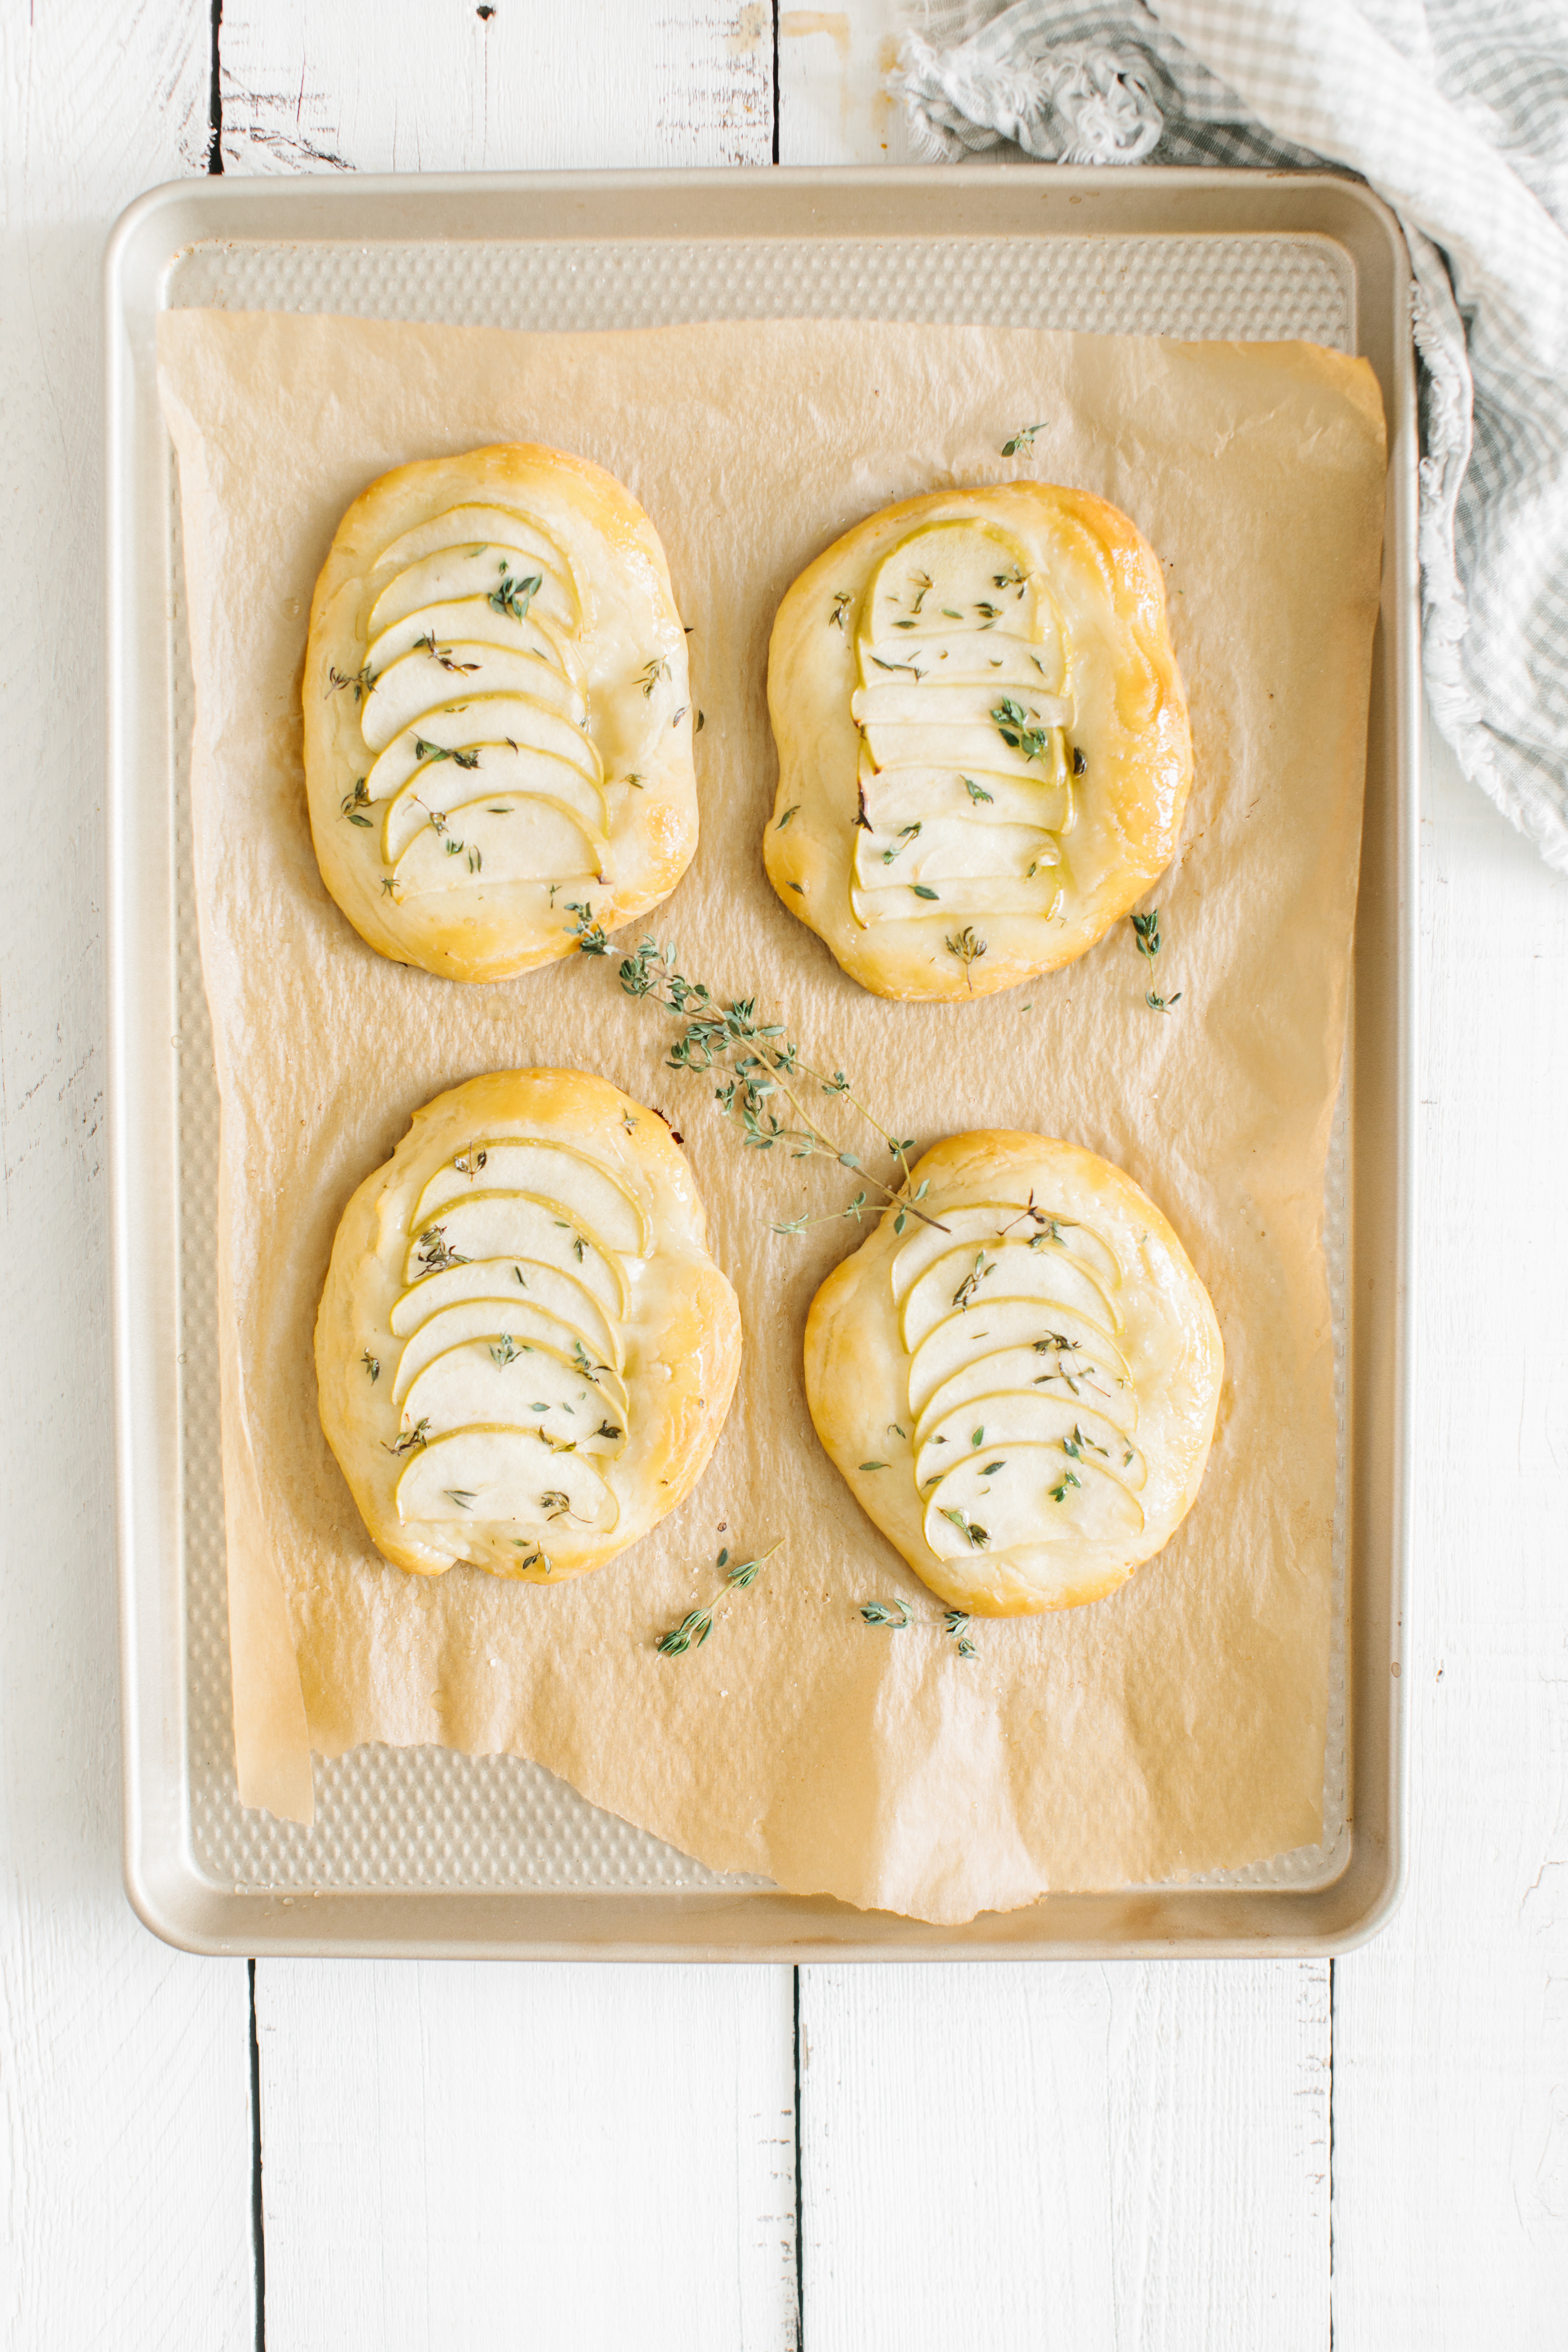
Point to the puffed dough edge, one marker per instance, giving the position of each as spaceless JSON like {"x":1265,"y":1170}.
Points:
{"x":698,"y":1340}
{"x":475,"y":948}
{"x":856,"y":1378}
{"x":1141,"y":764}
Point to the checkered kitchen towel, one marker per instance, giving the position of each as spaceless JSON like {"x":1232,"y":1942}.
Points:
{"x":1456,"y":112}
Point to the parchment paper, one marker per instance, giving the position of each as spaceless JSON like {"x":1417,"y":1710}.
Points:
{"x":1178,"y":1727}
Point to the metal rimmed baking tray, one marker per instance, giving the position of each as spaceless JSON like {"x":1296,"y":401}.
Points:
{"x":422,"y":1852}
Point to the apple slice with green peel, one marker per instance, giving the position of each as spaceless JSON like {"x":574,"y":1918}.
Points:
{"x":989,"y":657}
{"x":424,"y":681}
{"x":958,"y":902}
{"x":952,"y":849}
{"x":474,"y":620}
{"x":902,"y":743}
{"x":987,"y":1224}
{"x":892,"y":797}
{"x":932,"y":702}
{"x":1080,"y":1379}
{"x":505,"y":770}
{"x":958,"y":573}
{"x":504,"y":577}
{"x":474,"y":522}
{"x":1033,"y":1491}
{"x":486,"y":1383}
{"x":505,"y":1324}
{"x":1026,"y":1417}
{"x":961,"y":1337}
{"x":546,"y":1170}
{"x":555,"y":1293}
{"x":971,"y":1276}
{"x":512,"y":1225}
{"x":517,"y":840}
{"x":511,"y":1474}
{"x":462,"y":731}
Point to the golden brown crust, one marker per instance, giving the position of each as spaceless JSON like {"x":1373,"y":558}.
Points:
{"x":1125,"y":717}
{"x":1048,"y":1428}
{"x":629,"y":651}
{"x":660,"y":1359}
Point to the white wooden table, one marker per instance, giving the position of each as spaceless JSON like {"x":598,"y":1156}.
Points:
{"x":1372,"y":2153}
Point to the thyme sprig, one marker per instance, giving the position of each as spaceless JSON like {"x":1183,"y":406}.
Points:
{"x":1012,"y":723}
{"x":967,"y":945}
{"x":1146,"y":932}
{"x":762,"y":1071}
{"x":1022,"y":443}
{"x":697,"y":1623}
{"x":955,"y":1624}
{"x":878,"y":1612}
{"x":513,"y":597}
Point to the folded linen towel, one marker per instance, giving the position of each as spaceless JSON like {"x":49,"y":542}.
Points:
{"x":1456,"y":111}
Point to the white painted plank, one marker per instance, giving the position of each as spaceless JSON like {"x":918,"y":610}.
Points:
{"x":1451,"y":2031}
{"x":1100,"y":2158}
{"x":834,"y":103}
{"x":564,"y":2158}
{"x":124,"y":2068}
{"x":526,"y":85}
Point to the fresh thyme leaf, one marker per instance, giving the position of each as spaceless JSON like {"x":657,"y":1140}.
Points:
{"x":794,"y":810}
{"x":924,"y":582}
{"x":373,"y":1366}
{"x":461,"y":1496}
{"x":901,"y":840}
{"x":635,"y":781}
{"x":1079,"y":764}
{"x":1069,"y":1478}
{"x":697,"y":1623}
{"x":906,"y":624}
{"x":362,"y":680}
{"x":1146,"y":930}
{"x":608,"y":1429}
{"x":991,"y":1469}
{"x":841,"y":602}
{"x":553,"y":1502}
{"x":433,"y":1255}
{"x":1012,"y":723}
{"x":975,"y":1535}
{"x":591,"y":937}
{"x":977,"y":1437}
{"x":922,"y":890}
{"x":1023,"y":442}
{"x":955,"y":1624}
{"x":506,"y":1351}
{"x":967,"y":945}
{"x":358,"y":799}
{"x":388,"y":886}
{"x":878,"y":1612}
{"x":513,"y":597}
{"x":650,"y":675}
{"x":976,"y":791}
{"x":418,"y":1435}
{"x":904,"y":665}
{"x":874,"y":1466}
{"x":964,"y":1295}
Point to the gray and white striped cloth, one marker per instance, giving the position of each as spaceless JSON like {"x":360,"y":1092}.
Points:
{"x":1456,"y":112}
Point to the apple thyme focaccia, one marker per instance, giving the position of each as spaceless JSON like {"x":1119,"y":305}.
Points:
{"x":497,"y":716}
{"x":983,"y":741}
{"x":524,"y":1353}
{"x":1021,"y":1393}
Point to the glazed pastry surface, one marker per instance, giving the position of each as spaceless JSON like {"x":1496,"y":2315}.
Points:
{"x":984,"y":751}
{"x":1022,"y":1400}
{"x":524,"y":1353}
{"x":496,"y":714}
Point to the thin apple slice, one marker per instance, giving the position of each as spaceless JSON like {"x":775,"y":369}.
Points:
{"x":911,"y":743}
{"x":968,"y":1276}
{"x":496,"y":1383}
{"x":988,"y":656}
{"x":518,"y":839}
{"x":462,"y":730}
{"x":504,"y":770}
{"x":893,"y":797}
{"x":511,"y":1475}
{"x":952,"y":849}
{"x":1033,"y":1495}
{"x":958,"y":573}
{"x":963,"y":1336}
{"x":560,"y":1296}
{"x":474,"y":620}
{"x":992,"y":1223}
{"x":433,"y":675}
{"x":512,"y":1225}
{"x":928,"y":701}
{"x":546,"y":1170}
{"x":503,"y":1323}
{"x":1091,"y":1375}
{"x":958,"y":903}
{"x":475,"y":524}
{"x":1026,"y":1417}
{"x":519,"y":583}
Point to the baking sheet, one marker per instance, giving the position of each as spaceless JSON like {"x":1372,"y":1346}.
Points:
{"x":465,"y":1843}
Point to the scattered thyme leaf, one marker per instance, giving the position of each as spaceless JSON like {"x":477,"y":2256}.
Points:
{"x":697,"y":1623}
{"x":976,"y":791}
{"x":513,"y":597}
{"x":841,"y":602}
{"x":1013,"y":724}
{"x":922,"y":890}
{"x":1022,"y":445}
{"x":874,"y":1466}
{"x":462,"y":1495}
{"x":975,"y":1535}
{"x":955,"y":1624}
{"x":651,"y":673}
{"x":878,"y":1612}
{"x":967,"y":946}
{"x":794,"y":810}
{"x":373,"y":1366}
{"x":410,"y":1438}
